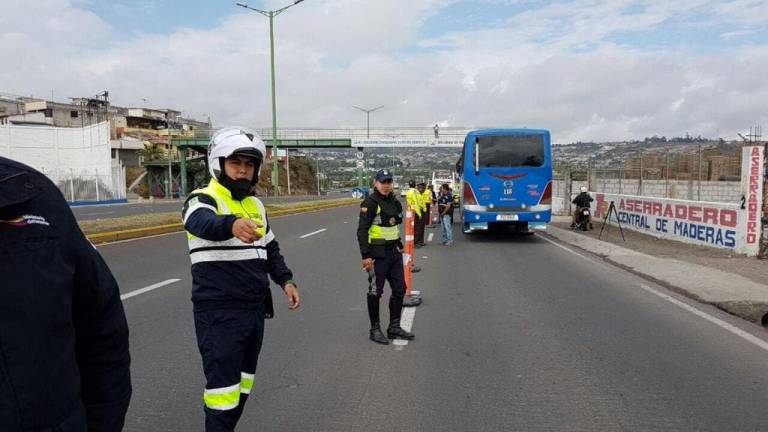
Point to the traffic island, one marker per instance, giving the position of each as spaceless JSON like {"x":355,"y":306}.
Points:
{"x":738,"y":294}
{"x":130,"y":227}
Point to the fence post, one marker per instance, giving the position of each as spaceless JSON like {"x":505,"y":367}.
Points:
{"x":567,"y":187}
{"x":698,"y":192}
{"x":621,"y":177}
{"x":96,"y":177}
{"x":640,"y":185}
{"x":666,"y":175}
{"x":71,"y":186}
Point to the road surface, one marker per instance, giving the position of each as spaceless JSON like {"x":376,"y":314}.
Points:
{"x":515,"y":333}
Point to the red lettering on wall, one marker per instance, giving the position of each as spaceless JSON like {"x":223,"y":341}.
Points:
{"x":729,"y":218}
{"x":668,"y":213}
{"x":681,"y":212}
{"x":710,"y":216}
{"x":657,"y":209}
{"x":694,"y":214}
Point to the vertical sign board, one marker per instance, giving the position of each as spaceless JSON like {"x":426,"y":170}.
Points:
{"x":752,"y":171}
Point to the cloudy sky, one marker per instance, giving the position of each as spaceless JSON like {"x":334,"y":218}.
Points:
{"x":585,"y":69}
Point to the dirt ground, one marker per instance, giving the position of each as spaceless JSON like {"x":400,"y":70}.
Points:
{"x":721,"y":259}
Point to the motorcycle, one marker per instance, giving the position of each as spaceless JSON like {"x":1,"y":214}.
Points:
{"x":584,"y":219}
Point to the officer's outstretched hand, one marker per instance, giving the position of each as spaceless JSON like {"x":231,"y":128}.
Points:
{"x":367,"y":264}
{"x":245,"y":230}
{"x":292,"y":293}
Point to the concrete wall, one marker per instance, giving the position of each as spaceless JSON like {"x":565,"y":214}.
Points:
{"x":76,"y":159}
{"x":711,"y":191}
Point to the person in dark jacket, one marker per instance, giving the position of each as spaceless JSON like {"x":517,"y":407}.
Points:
{"x":582,"y":200}
{"x":233,"y":252}
{"x":378,"y":236}
{"x":64,"y":360}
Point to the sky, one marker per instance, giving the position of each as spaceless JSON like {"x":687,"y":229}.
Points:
{"x":587,"y":70}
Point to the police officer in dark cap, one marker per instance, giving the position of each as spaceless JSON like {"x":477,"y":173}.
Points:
{"x":378,"y":235}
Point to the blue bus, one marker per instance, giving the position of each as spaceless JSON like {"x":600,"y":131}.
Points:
{"x":506,"y":177}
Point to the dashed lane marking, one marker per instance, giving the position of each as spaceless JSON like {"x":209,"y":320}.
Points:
{"x":148,"y":289}
{"x":313,"y":233}
{"x":406,"y":322}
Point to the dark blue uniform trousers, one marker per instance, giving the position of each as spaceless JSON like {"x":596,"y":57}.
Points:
{"x":390,"y":268}
{"x":229,"y":341}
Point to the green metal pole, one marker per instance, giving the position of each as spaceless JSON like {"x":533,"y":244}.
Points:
{"x":183,"y":167}
{"x":275,"y":166}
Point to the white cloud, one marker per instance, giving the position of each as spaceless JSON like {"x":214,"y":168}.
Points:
{"x":549,"y":67}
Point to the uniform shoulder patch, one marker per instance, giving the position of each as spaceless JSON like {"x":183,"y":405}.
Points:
{"x":193,"y":201}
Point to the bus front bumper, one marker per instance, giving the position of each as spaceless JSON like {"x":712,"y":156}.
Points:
{"x":480,"y":220}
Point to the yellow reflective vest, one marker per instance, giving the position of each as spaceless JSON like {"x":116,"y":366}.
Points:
{"x":202,"y":250}
{"x":378,"y":234}
{"x":426,"y":198}
{"x":413,"y":198}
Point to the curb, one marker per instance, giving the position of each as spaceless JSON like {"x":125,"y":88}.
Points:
{"x":754,"y":311}
{"x":134,"y":233}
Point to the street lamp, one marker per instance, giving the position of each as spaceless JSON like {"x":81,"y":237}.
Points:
{"x":367,"y":135}
{"x":271,"y":15}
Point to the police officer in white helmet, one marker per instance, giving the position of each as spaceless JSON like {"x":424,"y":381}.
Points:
{"x":233,"y":252}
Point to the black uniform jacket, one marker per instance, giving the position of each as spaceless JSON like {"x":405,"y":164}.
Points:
{"x":64,"y":362}
{"x":391,"y":215}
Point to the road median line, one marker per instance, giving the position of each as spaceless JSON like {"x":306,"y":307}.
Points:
{"x":134,"y":233}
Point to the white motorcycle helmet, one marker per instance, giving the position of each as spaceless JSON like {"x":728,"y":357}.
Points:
{"x":234,"y":140}
{"x":583,"y":189}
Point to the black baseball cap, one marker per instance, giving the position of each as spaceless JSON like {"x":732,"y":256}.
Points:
{"x":383,"y":175}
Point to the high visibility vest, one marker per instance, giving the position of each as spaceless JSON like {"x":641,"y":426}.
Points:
{"x":202,"y":250}
{"x":426,"y":198}
{"x":413,"y":198}
{"x":378,"y":234}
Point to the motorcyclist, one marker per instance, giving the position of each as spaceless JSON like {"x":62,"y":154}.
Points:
{"x":582,"y":201}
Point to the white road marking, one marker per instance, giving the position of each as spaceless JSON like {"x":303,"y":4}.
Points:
{"x":565,"y":248}
{"x":716,"y":321}
{"x":406,"y":322}
{"x":149,"y":288}
{"x":429,"y":237}
{"x":313,"y":233}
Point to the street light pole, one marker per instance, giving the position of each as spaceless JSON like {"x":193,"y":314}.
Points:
{"x":367,"y":112}
{"x":271,"y":15}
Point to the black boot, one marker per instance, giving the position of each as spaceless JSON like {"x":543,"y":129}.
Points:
{"x":377,"y":336}
{"x":394,"y":331}
{"x":373,"y":313}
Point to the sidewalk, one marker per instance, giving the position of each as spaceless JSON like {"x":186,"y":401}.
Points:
{"x":734,"y":283}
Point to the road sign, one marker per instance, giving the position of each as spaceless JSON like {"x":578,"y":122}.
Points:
{"x":359,"y":155}
{"x":360,"y":164}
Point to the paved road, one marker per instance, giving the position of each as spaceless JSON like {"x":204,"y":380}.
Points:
{"x":515,"y":334}
{"x":118,"y":210}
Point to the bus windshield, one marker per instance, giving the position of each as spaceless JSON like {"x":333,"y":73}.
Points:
{"x":511,"y":151}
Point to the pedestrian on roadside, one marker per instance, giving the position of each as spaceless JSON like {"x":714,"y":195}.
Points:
{"x":413,"y":198}
{"x":445,"y":210}
{"x":421,"y":222}
{"x":233,"y":252}
{"x":378,"y":235}
{"x":428,"y":195}
{"x":437,"y":131}
{"x":64,"y":360}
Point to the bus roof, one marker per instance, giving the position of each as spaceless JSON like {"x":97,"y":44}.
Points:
{"x":515,"y":131}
